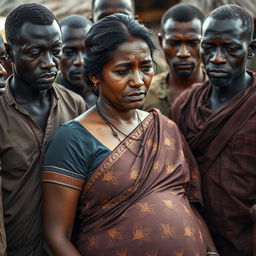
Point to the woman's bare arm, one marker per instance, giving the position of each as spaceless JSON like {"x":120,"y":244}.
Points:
{"x":59,"y":211}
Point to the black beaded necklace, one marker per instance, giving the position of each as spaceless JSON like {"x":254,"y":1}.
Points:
{"x":115,"y":134}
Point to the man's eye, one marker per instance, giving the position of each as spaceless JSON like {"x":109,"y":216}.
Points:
{"x":34,"y":53}
{"x":173,"y":42}
{"x":206,"y":46}
{"x":232,"y":49}
{"x":194,"y":43}
{"x":56,"y":52}
{"x":68,"y":52}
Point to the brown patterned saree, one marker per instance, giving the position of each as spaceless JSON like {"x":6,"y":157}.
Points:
{"x":137,"y":201}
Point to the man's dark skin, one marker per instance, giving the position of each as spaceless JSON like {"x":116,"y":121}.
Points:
{"x":224,"y":53}
{"x":73,"y":57}
{"x":3,"y":72}
{"x":180,"y":42}
{"x":72,"y":61}
{"x":36,"y":57}
{"x":103,"y":8}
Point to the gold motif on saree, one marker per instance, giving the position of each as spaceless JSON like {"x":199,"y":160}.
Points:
{"x":187,"y":231}
{"x":168,"y":204}
{"x":153,"y":253}
{"x":179,"y":253}
{"x":200,"y":235}
{"x":134,"y":174}
{"x":110,"y":177}
{"x":169,"y":142}
{"x":156,"y":166}
{"x":167,"y":231}
{"x":170,"y":168}
{"x":92,"y":242}
{"x":122,"y":253}
{"x":186,"y":208}
{"x":149,"y":144}
{"x":145,"y":209}
{"x":140,"y":233}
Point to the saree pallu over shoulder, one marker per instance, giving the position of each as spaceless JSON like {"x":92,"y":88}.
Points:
{"x":136,"y":202}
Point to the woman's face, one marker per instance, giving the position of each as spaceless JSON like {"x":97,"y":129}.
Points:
{"x":127,"y":76}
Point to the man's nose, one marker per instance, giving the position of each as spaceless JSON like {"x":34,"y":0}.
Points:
{"x":3,"y":72}
{"x":79,"y":59}
{"x":218,"y":57}
{"x":183,"y":51}
{"x":48,"y":61}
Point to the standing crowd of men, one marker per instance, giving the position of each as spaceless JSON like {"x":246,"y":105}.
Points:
{"x":213,"y":104}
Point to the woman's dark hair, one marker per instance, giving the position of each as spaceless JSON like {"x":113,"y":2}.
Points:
{"x":105,"y":36}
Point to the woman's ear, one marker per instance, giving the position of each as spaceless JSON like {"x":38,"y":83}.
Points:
{"x":251,"y":49}
{"x":9,"y":54}
{"x":94,"y":79}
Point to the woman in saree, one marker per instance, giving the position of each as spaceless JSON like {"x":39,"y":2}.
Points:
{"x":117,"y":180}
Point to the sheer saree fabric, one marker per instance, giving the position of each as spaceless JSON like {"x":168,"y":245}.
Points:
{"x":137,"y":200}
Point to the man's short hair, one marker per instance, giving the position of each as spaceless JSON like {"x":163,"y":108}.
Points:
{"x":75,"y":21}
{"x":232,"y":11}
{"x":93,"y":3}
{"x":182,"y":13}
{"x":32,"y":13}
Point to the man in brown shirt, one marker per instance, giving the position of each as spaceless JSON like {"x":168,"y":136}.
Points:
{"x":218,"y":120}
{"x":180,"y":39}
{"x":3,"y":73}
{"x":32,"y":108}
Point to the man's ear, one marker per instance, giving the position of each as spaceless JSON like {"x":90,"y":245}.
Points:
{"x":251,"y":49}
{"x":9,"y":54}
{"x":160,"y":39}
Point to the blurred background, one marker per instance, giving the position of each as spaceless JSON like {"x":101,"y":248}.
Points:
{"x":149,"y":11}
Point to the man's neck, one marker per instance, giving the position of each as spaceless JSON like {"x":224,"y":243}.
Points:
{"x":69,"y":86}
{"x":178,"y":84}
{"x":37,"y":103}
{"x":24,"y":94}
{"x":222,"y":95}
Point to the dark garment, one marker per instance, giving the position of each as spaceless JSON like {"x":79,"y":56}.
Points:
{"x":136,"y":202}
{"x":21,"y":151}
{"x":2,"y":230}
{"x":223,"y":143}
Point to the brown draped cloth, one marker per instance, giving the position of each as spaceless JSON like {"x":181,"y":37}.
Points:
{"x":137,"y":201}
{"x":224,"y":145}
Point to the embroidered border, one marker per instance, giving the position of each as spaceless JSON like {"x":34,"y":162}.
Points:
{"x":66,"y":178}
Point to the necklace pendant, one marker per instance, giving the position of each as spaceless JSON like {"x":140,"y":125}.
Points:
{"x":115,"y":134}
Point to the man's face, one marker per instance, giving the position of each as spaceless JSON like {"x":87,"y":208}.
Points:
{"x":73,"y":51}
{"x":3,"y":72}
{"x":224,"y":50}
{"x":180,"y":42}
{"x":36,"y":55}
{"x":103,"y":8}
